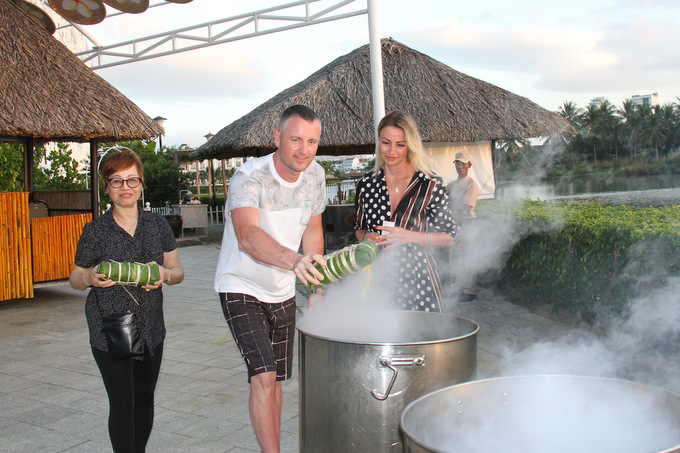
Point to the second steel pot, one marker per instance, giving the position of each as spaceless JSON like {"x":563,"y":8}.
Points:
{"x":359,"y":370}
{"x":536,"y":414}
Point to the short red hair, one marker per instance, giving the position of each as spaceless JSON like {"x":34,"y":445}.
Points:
{"x":118,"y":161}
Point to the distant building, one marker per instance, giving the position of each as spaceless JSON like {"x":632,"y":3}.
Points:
{"x":647,"y":100}
{"x":352,"y":164}
{"x":598,"y":101}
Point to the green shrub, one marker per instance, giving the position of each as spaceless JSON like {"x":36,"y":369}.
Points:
{"x":587,"y":259}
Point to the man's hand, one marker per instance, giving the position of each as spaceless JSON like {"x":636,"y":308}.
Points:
{"x":305,"y":270}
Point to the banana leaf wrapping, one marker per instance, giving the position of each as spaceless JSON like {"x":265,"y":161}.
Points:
{"x":344,"y":262}
{"x":130,"y":274}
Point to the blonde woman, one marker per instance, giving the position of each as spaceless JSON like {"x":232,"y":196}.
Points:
{"x":402,"y":206}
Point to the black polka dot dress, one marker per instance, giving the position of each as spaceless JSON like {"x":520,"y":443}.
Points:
{"x":423,"y":208}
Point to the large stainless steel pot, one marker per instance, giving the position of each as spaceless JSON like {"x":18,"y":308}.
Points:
{"x":359,"y":370}
{"x":556,"y":414}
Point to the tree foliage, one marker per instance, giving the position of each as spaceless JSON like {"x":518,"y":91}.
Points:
{"x":632,"y":131}
{"x":57,"y":169}
{"x":328,"y":167}
{"x":53,"y":170}
{"x":11,"y":167}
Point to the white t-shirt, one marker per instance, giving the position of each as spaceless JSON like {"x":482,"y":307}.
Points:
{"x":285,"y":209}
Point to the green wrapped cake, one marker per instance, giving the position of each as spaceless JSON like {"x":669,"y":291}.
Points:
{"x":344,"y":262}
{"x":131,"y":274}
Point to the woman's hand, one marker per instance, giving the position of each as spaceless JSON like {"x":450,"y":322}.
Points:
{"x":393,"y":236}
{"x":82,"y":278}
{"x":371,"y":236}
{"x":163,"y":273}
{"x":92,"y":278}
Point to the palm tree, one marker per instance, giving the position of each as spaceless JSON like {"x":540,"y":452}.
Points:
{"x":590,"y":121}
{"x":631,"y":119}
{"x":669,"y":125}
{"x":510,"y":148}
{"x":644,"y":124}
{"x":572,"y":113}
{"x":655,"y":131}
{"x":609,"y":123}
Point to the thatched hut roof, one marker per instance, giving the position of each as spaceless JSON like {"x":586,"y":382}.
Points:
{"x":49,"y":94}
{"x":449,"y":106}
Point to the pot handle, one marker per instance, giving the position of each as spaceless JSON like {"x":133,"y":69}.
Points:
{"x":391,"y":363}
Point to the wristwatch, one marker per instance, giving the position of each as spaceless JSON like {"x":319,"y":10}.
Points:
{"x":167,"y":280}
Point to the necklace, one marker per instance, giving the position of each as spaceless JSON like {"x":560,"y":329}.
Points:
{"x":120,"y":223}
{"x":394,"y":186}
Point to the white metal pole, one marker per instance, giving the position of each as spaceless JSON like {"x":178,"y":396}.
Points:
{"x":376,"y":65}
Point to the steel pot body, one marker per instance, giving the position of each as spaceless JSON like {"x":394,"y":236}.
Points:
{"x":359,"y":370}
{"x":531,"y":414}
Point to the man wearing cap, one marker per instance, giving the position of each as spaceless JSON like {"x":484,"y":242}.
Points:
{"x":463,"y":194}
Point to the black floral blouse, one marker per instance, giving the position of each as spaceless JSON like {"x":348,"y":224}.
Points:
{"x":423,"y":208}
{"x":103,"y":239}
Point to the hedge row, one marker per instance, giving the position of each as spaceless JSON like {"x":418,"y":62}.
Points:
{"x":587,"y":259}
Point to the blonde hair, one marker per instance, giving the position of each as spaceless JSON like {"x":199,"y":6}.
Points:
{"x":416,"y":152}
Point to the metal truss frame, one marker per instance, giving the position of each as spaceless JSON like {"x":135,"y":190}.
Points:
{"x":215,"y":32}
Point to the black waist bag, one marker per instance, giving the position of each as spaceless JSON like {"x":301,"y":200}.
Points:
{"x":122,"y":336}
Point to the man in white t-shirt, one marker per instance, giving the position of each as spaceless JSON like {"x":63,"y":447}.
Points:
{"x":274,"y":206}
{"x":463,"y":193}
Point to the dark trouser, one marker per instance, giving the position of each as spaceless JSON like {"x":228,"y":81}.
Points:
{"x":130,"y":385}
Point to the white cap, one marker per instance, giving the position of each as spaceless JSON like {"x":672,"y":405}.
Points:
{"x":463,"y":156}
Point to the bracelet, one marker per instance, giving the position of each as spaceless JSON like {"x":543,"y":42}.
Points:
{"x":167,"y":280}
{"x":429,"y":240}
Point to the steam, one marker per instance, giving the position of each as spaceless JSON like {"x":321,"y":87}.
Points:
{"x":486,"y":243}
{"x":538,"y":165}
{"x":365,"y":290}
{"x":643,"y":347}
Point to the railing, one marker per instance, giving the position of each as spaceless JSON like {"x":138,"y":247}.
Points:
{"x":215,"y":214}
{"x":164,"y":210}
{"x":338,"y":192}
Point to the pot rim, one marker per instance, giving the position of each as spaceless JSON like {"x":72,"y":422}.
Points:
{"x":473,"y":331}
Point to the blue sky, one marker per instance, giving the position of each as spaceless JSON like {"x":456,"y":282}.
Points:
{"x":549,"y":52}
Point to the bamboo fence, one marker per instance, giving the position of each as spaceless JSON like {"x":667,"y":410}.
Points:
{"x":16,"y":278}
{"x":55,"y":240}
{"x":34,"y":250}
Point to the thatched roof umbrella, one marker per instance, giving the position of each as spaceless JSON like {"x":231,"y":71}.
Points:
{"x":48,"y":94}
{"x":448,"y":105}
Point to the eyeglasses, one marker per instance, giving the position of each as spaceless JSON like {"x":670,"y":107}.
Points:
{"x":132,"y":182}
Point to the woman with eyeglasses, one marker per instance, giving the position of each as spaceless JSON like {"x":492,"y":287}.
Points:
{"x":127,"y":233}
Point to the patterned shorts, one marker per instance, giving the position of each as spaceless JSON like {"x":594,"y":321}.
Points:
{"x":263,"y":332}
